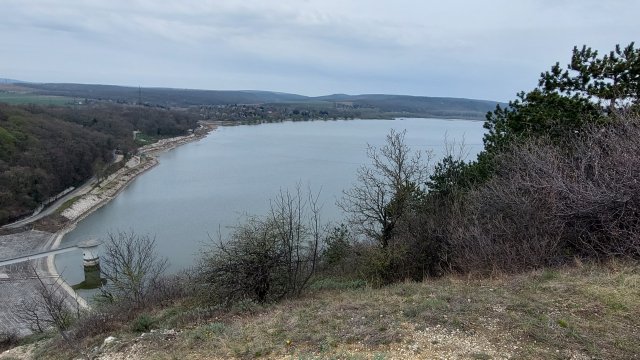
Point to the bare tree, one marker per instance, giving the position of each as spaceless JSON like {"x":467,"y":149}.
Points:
{"x":30,"y":312}
{"x":269,"y":257}
{"x":385,"y":188}
{"x":50,"y":306}
{"x":296,"y":221}
{"x":130,"y":267}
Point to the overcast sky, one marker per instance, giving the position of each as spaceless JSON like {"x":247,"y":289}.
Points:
{"x":461,"y":48}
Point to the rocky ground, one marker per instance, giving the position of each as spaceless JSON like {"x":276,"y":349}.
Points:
{"x":17,"y":282}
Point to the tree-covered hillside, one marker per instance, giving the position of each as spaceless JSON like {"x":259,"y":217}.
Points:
{"x":44,"y":150}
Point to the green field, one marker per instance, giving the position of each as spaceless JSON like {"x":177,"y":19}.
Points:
{"x":20,"y":99}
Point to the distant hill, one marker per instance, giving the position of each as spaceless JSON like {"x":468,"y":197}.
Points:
{"x":417,"y":105}
{"x":9,"y":81}
{"x":162,"y":96}
{"x":379,"y":105}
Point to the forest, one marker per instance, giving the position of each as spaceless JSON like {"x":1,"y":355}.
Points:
{"x":47,"y":149}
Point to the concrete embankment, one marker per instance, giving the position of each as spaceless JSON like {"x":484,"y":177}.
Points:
{"x":110,"y":187}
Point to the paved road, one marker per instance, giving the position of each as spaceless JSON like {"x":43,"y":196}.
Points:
{"x":83,"y":189}
{"x":37,"y":255}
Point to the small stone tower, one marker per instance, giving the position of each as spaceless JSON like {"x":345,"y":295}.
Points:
{"x":91,"y":263}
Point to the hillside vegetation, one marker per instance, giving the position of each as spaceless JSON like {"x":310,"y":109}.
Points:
{"x":44,"y":150}
{"x":581,"y":312}
{"x":529,"y":251}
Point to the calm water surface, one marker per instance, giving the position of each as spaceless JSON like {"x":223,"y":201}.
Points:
{"x":208,"y":185}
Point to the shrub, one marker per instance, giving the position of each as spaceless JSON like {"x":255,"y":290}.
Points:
{"x":337,"y":248}
{"x":423,"y":240}
{"x":142,"y":323}
{"x":547,"y":204}
{"x":376,"y":265}
{"x":8,"y":339}
{"x":338,"y":284}
{"x":266,"y":258}
{"x":98,"y":322}
{"x":131,"y":268}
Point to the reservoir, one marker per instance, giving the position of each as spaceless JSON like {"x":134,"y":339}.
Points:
{"x":206,"y":187}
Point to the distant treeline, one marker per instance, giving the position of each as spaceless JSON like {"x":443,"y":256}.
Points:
{"x":330,"y":106}
{"x":44,"y":150}
{"x":360,"y":109}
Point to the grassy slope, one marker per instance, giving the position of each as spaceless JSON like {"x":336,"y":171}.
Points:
{"x":576,"y":313}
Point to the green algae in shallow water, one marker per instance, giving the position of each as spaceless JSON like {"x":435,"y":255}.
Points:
{"x":92,"y":279}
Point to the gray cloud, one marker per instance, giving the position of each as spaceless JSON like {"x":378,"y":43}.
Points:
{"x":489,"y":49}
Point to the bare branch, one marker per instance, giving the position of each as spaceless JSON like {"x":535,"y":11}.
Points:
{"x":385,"y":188}
{"x":130,"y":267}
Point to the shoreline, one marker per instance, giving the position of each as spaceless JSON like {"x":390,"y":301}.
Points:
{"x":119,"y":181}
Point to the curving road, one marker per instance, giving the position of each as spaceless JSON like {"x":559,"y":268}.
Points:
{"x":81,"y":190}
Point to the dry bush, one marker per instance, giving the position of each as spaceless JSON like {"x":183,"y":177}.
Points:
{"x":131,"y":268}
{"x":547,"y":204}
{"x":509,"y":223}
{"x":98,"y":322}
{"x":170,"y":288}
{"x":50,"y":306}
{"x":602,"y":206}
{"x":107,"y":317}
{"x":266,"y":258}
{"x":8,"y":340}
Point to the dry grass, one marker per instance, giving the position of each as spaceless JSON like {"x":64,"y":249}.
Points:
{"x":582,"y":312}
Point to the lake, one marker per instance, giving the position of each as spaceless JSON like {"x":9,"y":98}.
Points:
{"x":207,"y":186}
